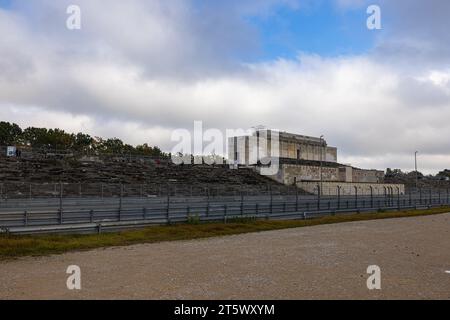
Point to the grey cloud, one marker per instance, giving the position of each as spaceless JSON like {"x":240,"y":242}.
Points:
{"x":417,"y":33}
{"x":419,"y":94}
{"x":140,"y":71}
{"x":163,"y":38}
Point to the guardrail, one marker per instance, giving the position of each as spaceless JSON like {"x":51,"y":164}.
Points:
{"x":98,"y":215}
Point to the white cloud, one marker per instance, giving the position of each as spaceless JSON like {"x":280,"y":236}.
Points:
{"x":141,"y":77}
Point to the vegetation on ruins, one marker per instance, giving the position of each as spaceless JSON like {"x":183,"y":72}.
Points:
{"x":410,"y":179}
{"x":57,"y":139}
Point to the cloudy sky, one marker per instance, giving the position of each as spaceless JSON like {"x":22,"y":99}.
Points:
{"x":139,"y":69}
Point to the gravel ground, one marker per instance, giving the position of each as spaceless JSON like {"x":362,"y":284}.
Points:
{"x":322,"y":262}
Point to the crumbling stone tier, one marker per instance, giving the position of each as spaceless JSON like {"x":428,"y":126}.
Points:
{"x":95,"y":176}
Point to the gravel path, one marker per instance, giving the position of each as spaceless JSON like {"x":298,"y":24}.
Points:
{"x":307,"y":263}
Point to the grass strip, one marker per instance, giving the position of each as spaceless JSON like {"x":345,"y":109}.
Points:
{"x":12,"y":246}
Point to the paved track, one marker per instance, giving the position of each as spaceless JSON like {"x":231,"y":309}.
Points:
{"x":327,"y":261}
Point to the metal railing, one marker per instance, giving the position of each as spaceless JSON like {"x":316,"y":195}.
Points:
{"x":79,"y":214}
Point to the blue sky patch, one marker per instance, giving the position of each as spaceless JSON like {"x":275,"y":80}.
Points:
{"x":322,"y":29}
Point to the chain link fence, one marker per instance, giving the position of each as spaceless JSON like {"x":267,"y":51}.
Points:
{"x":122,"y":206}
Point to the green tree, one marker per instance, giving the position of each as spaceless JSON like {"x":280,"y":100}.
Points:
{"x":83,"y":142}
{"x":10,"y":133}
{"x":36,"y":137}
{"x":109,"y":146}
{"x":59,"y":139}
{"x":146,"y":150}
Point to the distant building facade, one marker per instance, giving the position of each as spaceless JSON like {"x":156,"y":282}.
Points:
{"x":291,"y":146}
{"x":307,"y":162}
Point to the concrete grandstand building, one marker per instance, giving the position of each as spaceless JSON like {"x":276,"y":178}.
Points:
{"x":307,"y":162}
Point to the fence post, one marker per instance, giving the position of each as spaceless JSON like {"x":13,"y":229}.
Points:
{"x":91,"y":215}
{"x":371,"y":197}
{"x":398,"y":198}
{"x":208,"y":202}
{"x":356,"y":197}
{"x":225,"y":209}
{"x":339,"y":197}
{"x":25,"y":218}
{"x":120,"y":202}
{"x":385,"y":196}
{"x":420,"y":194}
{"x":145,"y":213}
{"x":242,"y":202}
{"x":168,"y":203}
{"x":319,"y":191}
{"x":61,"y":203}
{"x":271,"y":200}
{"x":431,"y":197}
{"x":392,"y":197}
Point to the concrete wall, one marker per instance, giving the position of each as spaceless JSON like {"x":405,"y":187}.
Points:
{"x":371,"y":176}
{"x":331,"y":154}
{"x":348,"y":189}
{"x":346,"y":174}
{"x":291,"y":149}
{"x":238,"y":150}
{"x":291,"y":173}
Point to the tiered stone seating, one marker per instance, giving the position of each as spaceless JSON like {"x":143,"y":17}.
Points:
{"x":139,"y":175}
